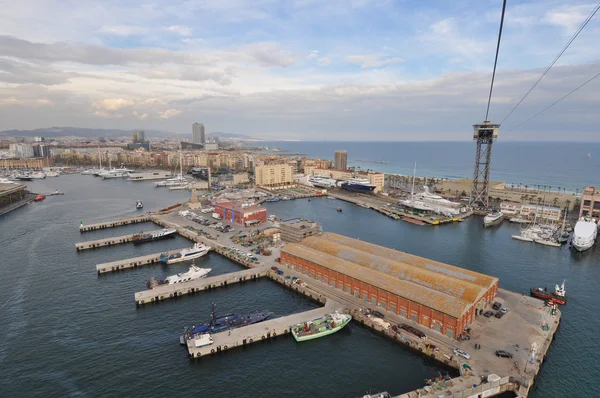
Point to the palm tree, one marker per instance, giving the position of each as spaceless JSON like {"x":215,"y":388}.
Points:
{"x":576,"y":191}
{"x":523,"y":197}
{"x":568,"y":202}
{"x":526,"y":186}
{"x":555,"y":201}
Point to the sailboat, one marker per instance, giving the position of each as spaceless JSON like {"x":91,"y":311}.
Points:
{"x":178,"y":180}
{"x":562,"y":235}
{"x":589,"y":154}
{"x":412,"y":203}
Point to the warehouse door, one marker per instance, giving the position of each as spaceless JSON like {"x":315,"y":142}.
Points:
{"x":437,"y":327}
{"x":403,"y":313}
{"x":450,"y":332}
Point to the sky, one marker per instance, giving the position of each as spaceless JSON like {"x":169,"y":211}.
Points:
{"x":299,"y":69}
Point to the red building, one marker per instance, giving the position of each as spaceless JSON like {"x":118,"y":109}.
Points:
{"x":437,"y":295}
{"x":243,"y":214}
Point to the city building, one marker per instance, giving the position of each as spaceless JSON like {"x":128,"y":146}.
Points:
{"x":198,"y":136}
{"x":246,"y":214}
{"x":590,"y":203}
{"x":296,"y":229}
{"x":274,"y":176}
{"x":510,"y":208}
{"x":20,"y":150}
{"x":17,"y":164}
{"x":41,"y":151}
{"x":138,"y":141}
{"x":540,"y":212}
{"x":341,"y":160}
{"x":191,"y":146}
{"x":211,"y":146}
{"x":442,"y":297}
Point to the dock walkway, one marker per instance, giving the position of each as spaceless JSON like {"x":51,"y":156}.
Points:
{"x":128,"y":263}
{"x":93,"y":244}
{"x":258,"y":332}
{"x":165,"y":292}
{"x":116,"y":223}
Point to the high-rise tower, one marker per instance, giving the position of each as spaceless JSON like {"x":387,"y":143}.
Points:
{"x":198,"y":133}
{"x":341,"y":160}
{"x":484,"y":135}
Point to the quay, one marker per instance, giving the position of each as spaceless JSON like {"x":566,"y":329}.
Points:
{"x":165,"y":292}
{"x":111,"y":224}
{"x":93,"y":244}
{"x":262,"y":331}
{"x":129,"y":263}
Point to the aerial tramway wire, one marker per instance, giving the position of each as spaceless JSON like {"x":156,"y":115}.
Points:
{"x":557,"y":101}
{"x":583,"y":25}
{"x":496,"y":59}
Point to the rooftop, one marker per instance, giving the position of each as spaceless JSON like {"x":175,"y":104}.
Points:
{"x":6,"y":189}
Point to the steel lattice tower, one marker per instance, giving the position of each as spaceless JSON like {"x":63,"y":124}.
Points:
{"x":484,"y":135}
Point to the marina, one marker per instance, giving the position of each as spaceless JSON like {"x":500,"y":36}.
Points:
{"x":129,"y":263}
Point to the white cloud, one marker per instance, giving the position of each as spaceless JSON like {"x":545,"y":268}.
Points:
{"x":324,"y":61}
{"x":372,"y":60}
{"x":25,"y":102}
{"x":123,"y":30}
{"x":140,"y":116}
{"x":169,"y":113}
{"x":569,"y":18}
{"x":112,"y":104}
{"x":313,"y":54}
{"x":180,"y":30}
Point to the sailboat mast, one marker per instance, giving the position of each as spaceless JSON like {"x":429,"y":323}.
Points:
{"x":412,"y":190}
{"x":99,"y":158}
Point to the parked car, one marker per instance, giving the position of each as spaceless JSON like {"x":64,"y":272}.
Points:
{"x":488,"y":314}
{"x":497,"y":305}
{"x":462,"y":353}
{"x":503,"y":354}
{"x":412,"y":330}
{"x":504,"y":310}
{"x":377,"y":314}
{"x":275,"y":269}
{"x":499,"y":314}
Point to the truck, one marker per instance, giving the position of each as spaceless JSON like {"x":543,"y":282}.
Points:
{"x":216,"y":216}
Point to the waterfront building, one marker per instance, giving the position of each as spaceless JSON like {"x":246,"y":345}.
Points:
{"x":341,"y":160}
{"x":442,"y":297}
{"x":540,"y":212}
{"x":12,"y":196}
{"x":296,"y":229}
{"x":16,"y":164}
{"x":274,"y":175}
{"x":246,"y":214}
{"x":590,"y":203}
{"x":510,"y":208}
{"x":198,"y":133}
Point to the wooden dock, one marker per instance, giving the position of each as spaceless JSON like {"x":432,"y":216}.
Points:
{"x":258,"y":332}
{"x":165,"y":292}
{"x":93,"y":244}
{"x":116,"y":223}
{"x":129,"y":263}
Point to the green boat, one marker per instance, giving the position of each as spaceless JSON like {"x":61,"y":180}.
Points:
{"x":320,"y":327}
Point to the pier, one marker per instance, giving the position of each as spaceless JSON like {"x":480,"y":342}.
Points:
{"x":93,"y":244}
{"x":117,"y":223}
{"x":129,"y":263}
{"x":258,"y":332}
{"x":165,"y":292}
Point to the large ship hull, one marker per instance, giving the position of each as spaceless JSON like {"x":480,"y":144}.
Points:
{"x":358,"y":188}
{"x":545,"y":295}
{"x":139,"y":241}
{"x":225,"y":322}
{"x":492,"y":221}
{"x":582,"y":247}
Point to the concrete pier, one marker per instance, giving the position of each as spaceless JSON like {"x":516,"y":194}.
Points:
{"x":93,"y":244}
{"x":128,"y":263}
{"x":259,"y":332}
{"x":116,"y":223}
{"x":165,"y":292}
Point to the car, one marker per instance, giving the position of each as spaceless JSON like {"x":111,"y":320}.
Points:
{"x":499,"y":314}
{"x":497,"y":305}
{"x":503,"y":354}
{"x":462,"y":353}
{"x":377,"y":314}
{"x":412,"y":330}
{"x":504,"y":310}
{"x":488,"y":314}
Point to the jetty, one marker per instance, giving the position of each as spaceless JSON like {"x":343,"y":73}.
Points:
{"x":117,"y":223}
{"x":130,"y":263}
{"x":93,"y":244}
{"x":262,"y":331}
{"x":165,"y":292}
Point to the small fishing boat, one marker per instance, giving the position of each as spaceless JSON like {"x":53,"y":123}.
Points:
{"x":320,"y":327}
{"x":39,"y":198}
{"x":139,"y":205}
{"x":339,"y":209}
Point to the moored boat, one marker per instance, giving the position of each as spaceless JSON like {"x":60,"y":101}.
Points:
{"x":320,"y":327}
{"x":493,"y":218}
{"x":139,"y":205}
{"x":339,"y":209}
{"x":584,"y":234}
{"x":196,"y":251}
{"x":558,"y":295}
{"x":522,"y":238}
{"x":192,"y":274}
{"x":144,"y":237}
{"x":358,"y":185}
{"x":39,"y":198}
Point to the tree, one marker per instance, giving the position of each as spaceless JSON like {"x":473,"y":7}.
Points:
{"x":526,"y":186}
{"x":555,"y":201}
{"x":568,"y":202}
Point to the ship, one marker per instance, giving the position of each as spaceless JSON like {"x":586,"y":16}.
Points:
{"x":584,"y":234}
{"x":219,"y":323}
{"x":39,"y":198}
{"x":196,"y":251}
{"x":149,"y":175}
{"x":558,"y":295}
{"x":322,"y":181}
{"x":320,"y":327}
{"x":139,"y":205}
{"x":493,"y":218}
{"x":144,"y":237}
{"x":357,"y":184}
{"x":192,"y":274}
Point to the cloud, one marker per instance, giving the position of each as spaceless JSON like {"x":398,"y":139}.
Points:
{"x":112,"y":104}
{"x":123,"y":30}
{"x":140,"y":116}
{"x":324,"y":61}
{"x":25,"y":102}
{"x":180,"y":30}
{"x":568,"y":18}
{"x":372,"y":60}
{"x":169,"y":113}
{"x":269,"y":54}
{"x":18,"y":72}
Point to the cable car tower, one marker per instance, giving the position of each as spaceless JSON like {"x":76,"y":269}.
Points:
{"x":484,"y":135}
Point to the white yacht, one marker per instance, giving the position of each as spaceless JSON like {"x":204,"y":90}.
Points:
{"x":322,"y":181}
{"x":584,"y":234}
{"x":414,"y":202}
{"x":6,"y":181}
{"x":38,"y":175}
{"x":493,"y":218}
{"x":177,"y":181}
{"x":436,"y":202}
{"x":196,"y":251}
{"x":115,"y":173}
{"x":192,"y":274}
{"x":149,"y":175}
{"x":52,"y":173}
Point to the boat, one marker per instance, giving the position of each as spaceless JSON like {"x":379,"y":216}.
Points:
{"x":320,"y":327}
{"x":273,"y":199}
{"x":413,"y":203}
{"x":331,"y":197}
{"x":196,"y":251}
{"x":38,"y":176}
{"x":144,"y":237}
{"x":114,"y":173}
{"x":522,"y":238}
{"x":179,"y":180}
{"x":5,"y":181}
{"x":39,"y":198}
{"x":562,"y":236}
{"x":519,"y":220}
{"x":558,"y":295}
{"x":322,"y":181}
{"x":139,"y":205}
{"x":339,"y":209}
{"x":547,"y":242}
{"x":584,"y":234}
{"x":357,"y":184}
{"x":149,"y":175}
{"x":493,"y":218}
{"x":437,"y":203}
{"x":192,"y":274}
{"x":219,"y":323}
{"x":52,"y":173}
{"x":24,"y":177}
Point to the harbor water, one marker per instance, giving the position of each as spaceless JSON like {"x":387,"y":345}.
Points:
{"x":69,"y":332}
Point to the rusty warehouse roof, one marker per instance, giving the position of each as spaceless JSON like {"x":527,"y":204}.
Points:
{"x":433,"y":280}
{"x":426,"y":296}
{"x":450,"y":271}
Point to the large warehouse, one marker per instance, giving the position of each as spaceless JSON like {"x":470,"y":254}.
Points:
{"x":437,"y":295}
